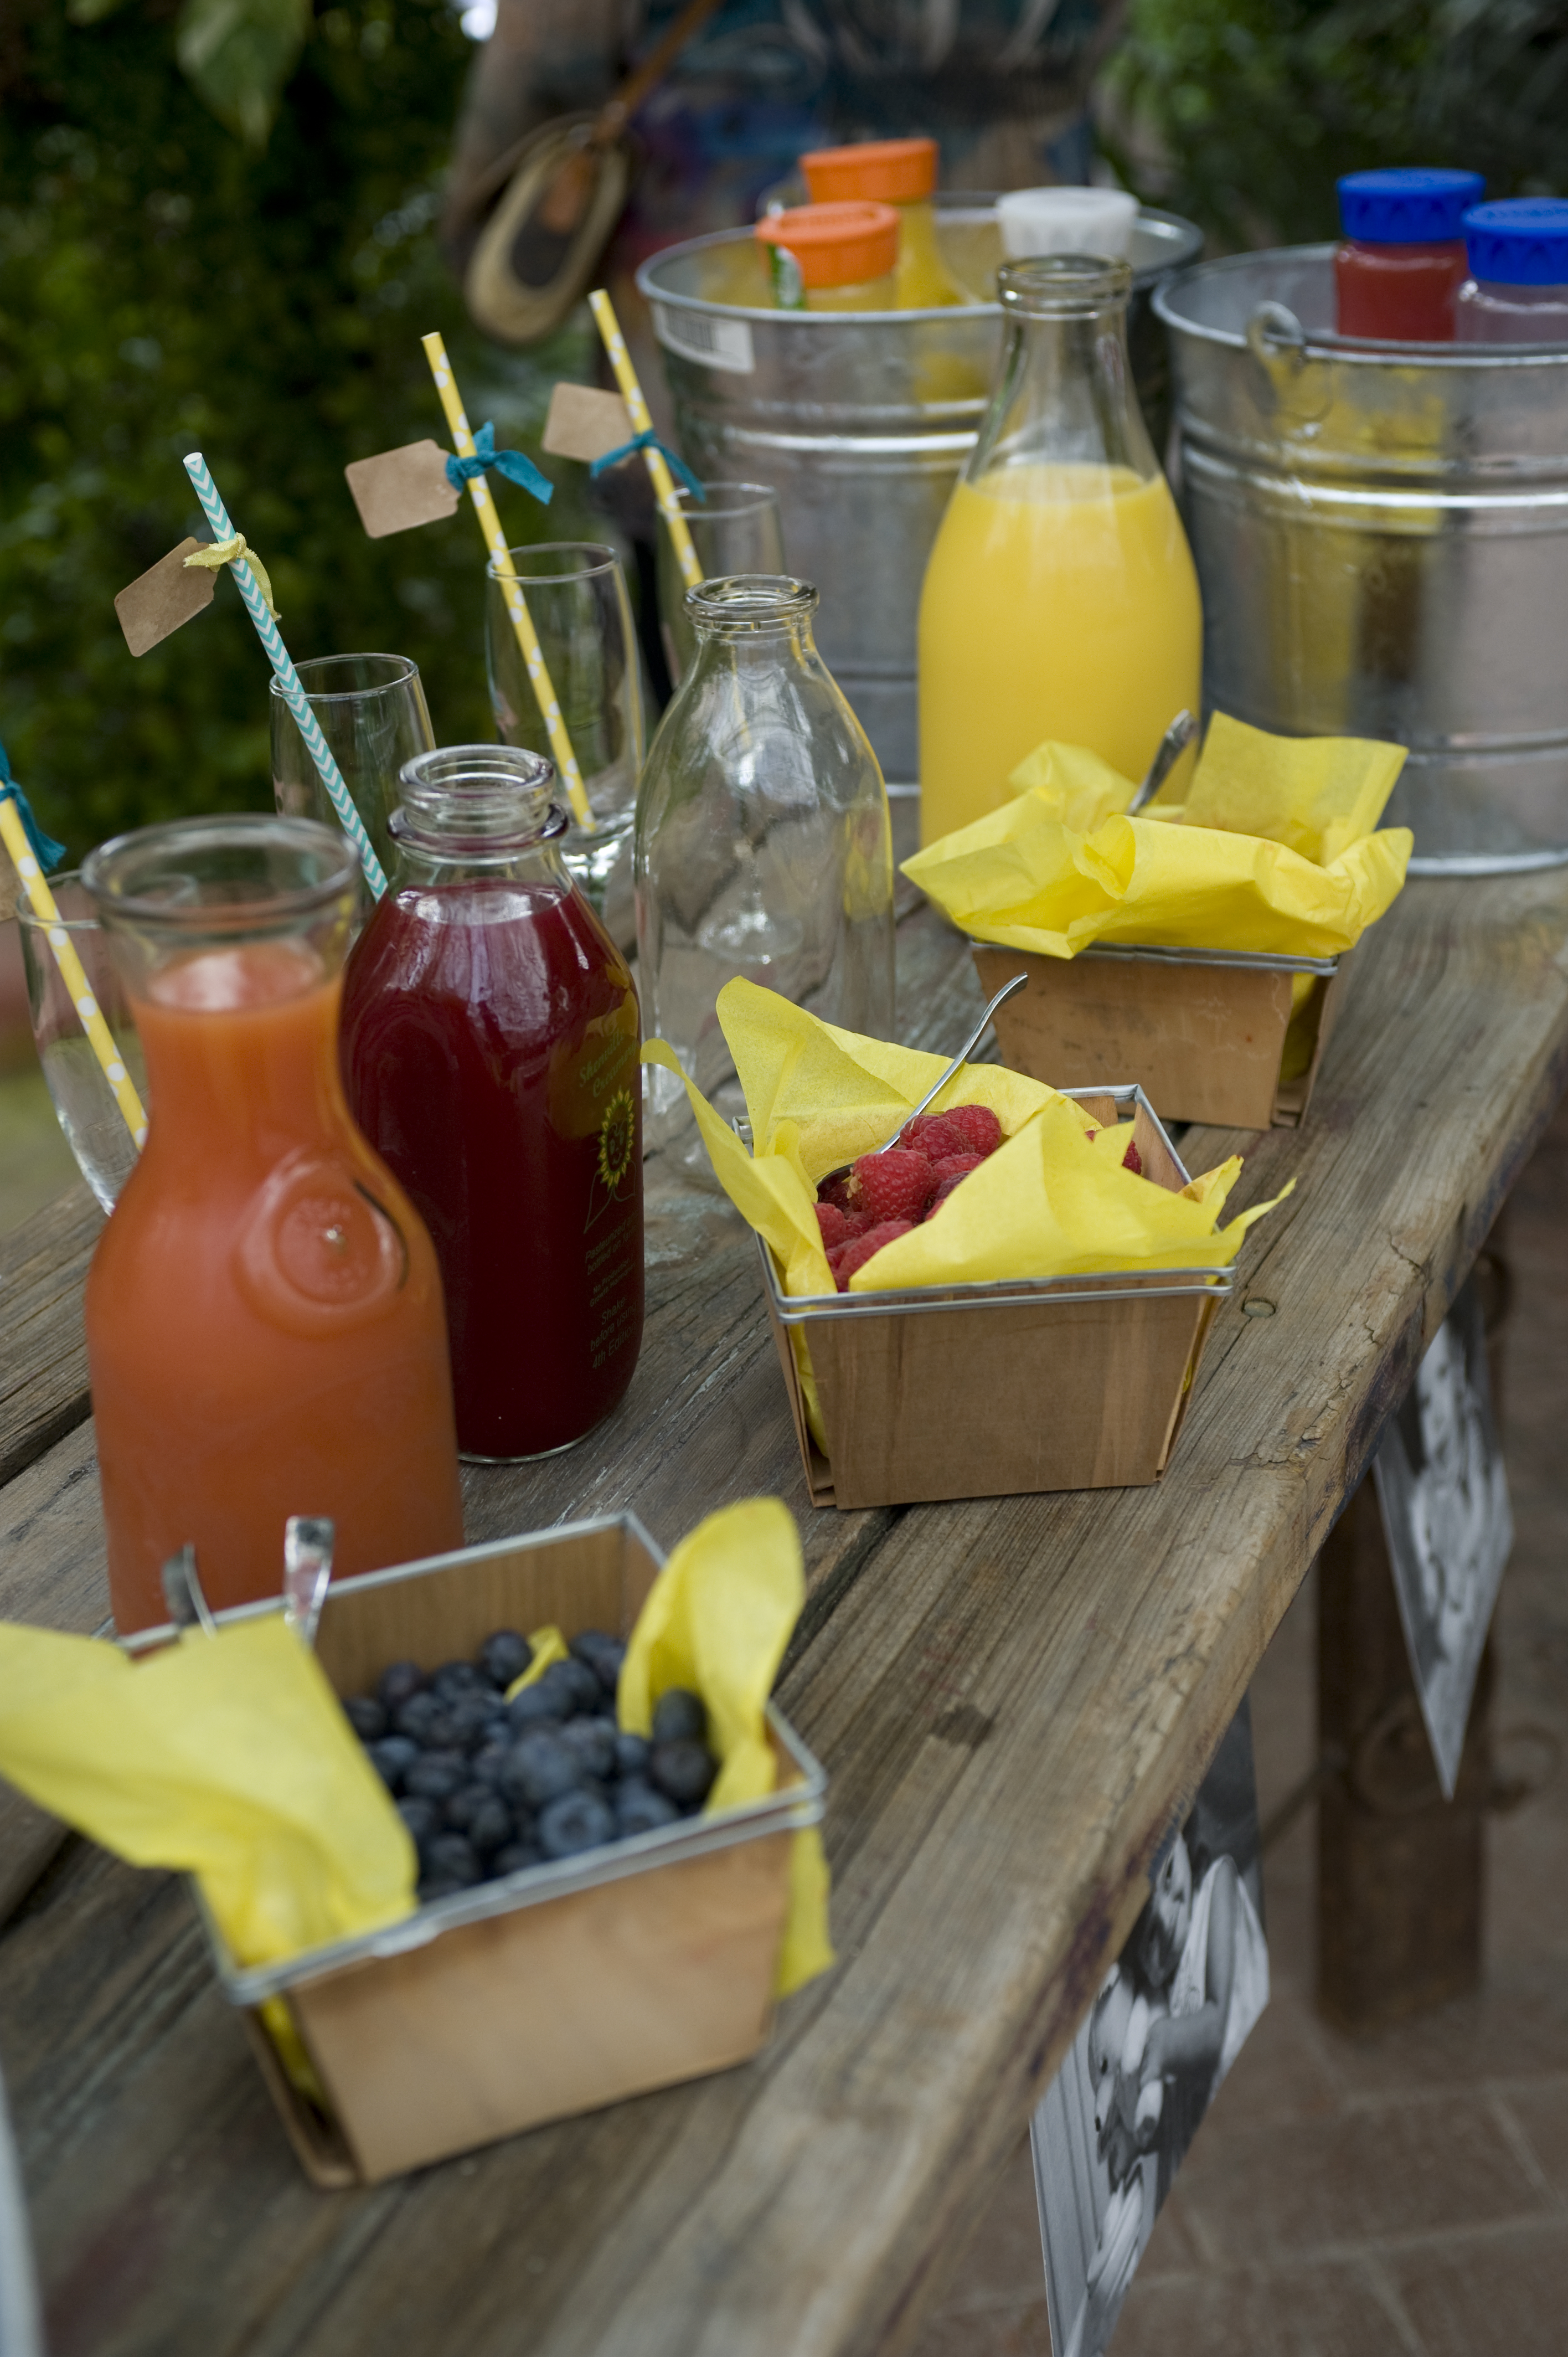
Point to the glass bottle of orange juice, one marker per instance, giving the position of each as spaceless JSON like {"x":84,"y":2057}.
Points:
{"x":265,"y":1332}
{"x":1061,"y":599}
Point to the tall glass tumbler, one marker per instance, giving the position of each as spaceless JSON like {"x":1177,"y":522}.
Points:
{"x":372,"y":713}
{"x":734,"y":528}
{"x":577,"y":600}
{"x":85,"y":1105}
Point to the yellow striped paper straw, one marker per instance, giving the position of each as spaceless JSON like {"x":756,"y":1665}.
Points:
{"x":641,"y":423}
{"x":517,"y":605}
{"x":43,"y":900}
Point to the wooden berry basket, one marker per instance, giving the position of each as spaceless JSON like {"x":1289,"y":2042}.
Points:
{"x":555,"y":1990}
{"x":988,"y":1391}
{"x":1202,"y":1030}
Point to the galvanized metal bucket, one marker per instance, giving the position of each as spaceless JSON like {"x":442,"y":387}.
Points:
{"x":862,"y":421}
{"x":1381,"y":535}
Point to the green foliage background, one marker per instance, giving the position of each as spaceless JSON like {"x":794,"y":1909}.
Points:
{"x":165,"y":288}
{"x":1250,"y":109}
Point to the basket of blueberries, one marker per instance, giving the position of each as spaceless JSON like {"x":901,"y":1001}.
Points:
{"x":489,"y":1785}
{"x":585,"y":1928}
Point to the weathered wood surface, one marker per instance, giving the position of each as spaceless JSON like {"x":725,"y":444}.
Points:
{"x":43,"y":1352}
{"x":1013,"y":1697}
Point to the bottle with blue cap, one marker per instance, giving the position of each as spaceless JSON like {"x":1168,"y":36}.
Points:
{"x":1398,"y":271}
{"x":1517,"y":292}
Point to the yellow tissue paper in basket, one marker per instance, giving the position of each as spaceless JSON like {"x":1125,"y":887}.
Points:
{"x":716,"y":1621}
{"x":228,"y":1756}
{"x":1272,"y":853}
{"x":1042,"y":1205}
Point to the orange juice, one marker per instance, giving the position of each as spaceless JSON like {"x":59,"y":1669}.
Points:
{"x":264,"y":1319}
{"x":1060,"y":601}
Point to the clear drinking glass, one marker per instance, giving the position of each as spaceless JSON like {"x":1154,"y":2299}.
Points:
{"x":85,"y":1105}
{"x":763,"y":843}
{"x":373,"y":715}
{"x":576,"y":601}
{"x":734,"y":528}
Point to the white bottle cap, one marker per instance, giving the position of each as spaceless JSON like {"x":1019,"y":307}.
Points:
{"x":1066,"y":220}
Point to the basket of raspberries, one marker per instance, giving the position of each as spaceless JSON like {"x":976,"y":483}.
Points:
{"x":489,"y":1785}
{"x":884,"y":1195}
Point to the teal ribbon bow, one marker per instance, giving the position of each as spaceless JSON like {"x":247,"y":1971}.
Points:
{"x":513,"y":464}
{"x":45,"y":849}
{"x":650,"y":441}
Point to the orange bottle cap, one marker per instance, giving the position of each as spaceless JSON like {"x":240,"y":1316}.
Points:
{"x":836,"y":245}
{"x":888,"y":171}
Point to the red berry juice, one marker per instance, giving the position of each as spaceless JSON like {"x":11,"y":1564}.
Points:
{"x":489,"y":1046}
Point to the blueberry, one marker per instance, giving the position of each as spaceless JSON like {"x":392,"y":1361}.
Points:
{"x":683,"y":1770}
{"x":593,"y":1740}
{"x":604,"y":1655}
{"x":452,"y":1857}
{"x":419,"y":1715}
{"x":397,"y":1683}
{"x":470,"y":1717}
{"x":486,"y":1765}
{"x":437,"y":1775}
{"x":575,"y":1678}
{"x":461,"y":1805}
{"x":515,"y":1856}
{"x":539,"y":1769}
{"x":536,"y":1706}
{"x":422,"y":1819}
{"x":631,"y":1754}
{"x":577,"y":1822}
{"x":391,"y":1759}
{"x":366,"y":1715}
{"x":639,"y":1809}
{"x":504,"y":1656}
{"x":490,"y":1827}
{"x":679,"y":1716}
{"x":455,"y":1678}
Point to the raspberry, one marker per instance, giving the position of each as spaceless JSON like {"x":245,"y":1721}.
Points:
{"x":834,"y":1226}
{"x":978,"y":1127}
{"x":897,"y":1184}
{"x":949,"y":1171}
{"x":1133,"y":1160}
{"x":939,"y":1137}
{"x":857,"y":1223}
{"x":835,"y":1191}
{"x":850,"y":1257}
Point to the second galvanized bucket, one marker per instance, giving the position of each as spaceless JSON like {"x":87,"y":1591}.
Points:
{"x":1382,"y":536}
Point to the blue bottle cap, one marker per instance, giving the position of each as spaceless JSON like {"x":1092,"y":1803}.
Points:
{"x":1520,"y":242}
{"x":1422,"y":206}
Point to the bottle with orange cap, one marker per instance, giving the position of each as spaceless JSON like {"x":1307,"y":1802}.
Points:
{"x":901,"y":173}
{"x":838,"y":257}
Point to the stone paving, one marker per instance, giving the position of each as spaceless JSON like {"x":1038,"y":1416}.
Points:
{"x":1406,"y":2197}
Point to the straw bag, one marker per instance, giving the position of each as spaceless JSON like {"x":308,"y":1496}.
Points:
{"x":539,"y":252}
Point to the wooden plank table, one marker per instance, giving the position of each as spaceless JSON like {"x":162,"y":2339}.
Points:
{"x":1013,"y":1698}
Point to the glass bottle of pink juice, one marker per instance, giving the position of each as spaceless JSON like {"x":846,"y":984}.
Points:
{"x":491,"y":1041}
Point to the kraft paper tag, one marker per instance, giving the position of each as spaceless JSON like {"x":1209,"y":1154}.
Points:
{"x":155,"y":606}
{"x":401,"y":488}
{"x":584,"y":424}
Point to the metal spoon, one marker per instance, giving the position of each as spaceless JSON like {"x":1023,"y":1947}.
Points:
{"x":307,"y":1541}
{"x":1171,"y":747}
{"x":959,"y":1062}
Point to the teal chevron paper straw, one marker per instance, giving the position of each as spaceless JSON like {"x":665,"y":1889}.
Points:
{"x":332,"y":776}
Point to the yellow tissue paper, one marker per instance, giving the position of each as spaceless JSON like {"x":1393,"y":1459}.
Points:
{"x":546,"y":1645}
{"x":1045,"y":1204}
{"x":716,"y":1621}
{"x":226,"y":1756}
{"x":1273,"y":852}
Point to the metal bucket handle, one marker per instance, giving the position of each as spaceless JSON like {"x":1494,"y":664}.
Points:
{"x":1277,"y":341}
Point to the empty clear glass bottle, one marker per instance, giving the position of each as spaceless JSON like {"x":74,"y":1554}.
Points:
{"x":763,"y":845}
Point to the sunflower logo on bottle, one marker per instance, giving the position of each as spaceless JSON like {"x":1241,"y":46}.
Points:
{"x":618,"y":1138}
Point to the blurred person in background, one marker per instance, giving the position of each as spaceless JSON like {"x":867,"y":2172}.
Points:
{"x":1001,"y":85}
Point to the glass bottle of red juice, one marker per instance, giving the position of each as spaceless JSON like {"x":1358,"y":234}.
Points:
{"x":1403,"y":260}
{"x":490,"y":1041}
